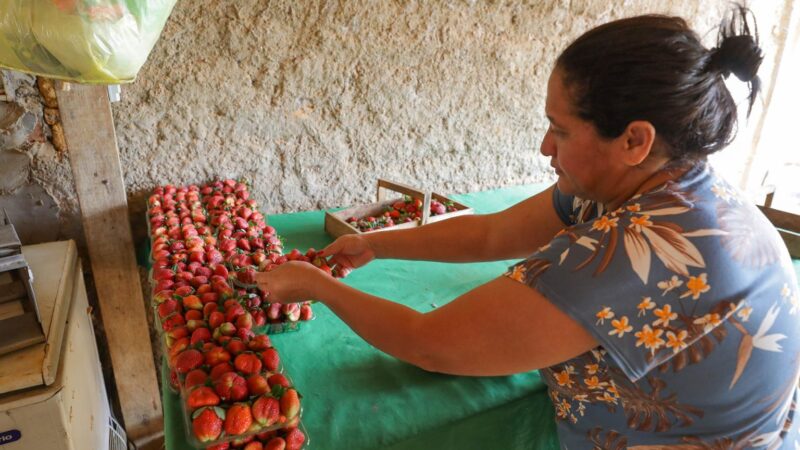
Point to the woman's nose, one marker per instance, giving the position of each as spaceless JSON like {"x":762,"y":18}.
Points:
{"x":547,"y":146}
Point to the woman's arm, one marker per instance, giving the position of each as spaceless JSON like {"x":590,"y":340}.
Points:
{"x":513,"y":233}
{"x":500,"y":328}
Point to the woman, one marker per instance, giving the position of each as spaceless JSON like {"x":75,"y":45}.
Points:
{"x":659,"y":305}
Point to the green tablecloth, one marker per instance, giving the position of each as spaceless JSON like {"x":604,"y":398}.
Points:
{"x":355,"y":397}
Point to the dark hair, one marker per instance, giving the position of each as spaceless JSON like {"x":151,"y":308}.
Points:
{"x":654,"y":68}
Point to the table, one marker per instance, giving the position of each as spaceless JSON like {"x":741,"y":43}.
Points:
{"x":357,"y":398}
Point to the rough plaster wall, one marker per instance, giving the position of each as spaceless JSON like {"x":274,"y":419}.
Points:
{"x":36,"y":184}
{"x":314,"y":102}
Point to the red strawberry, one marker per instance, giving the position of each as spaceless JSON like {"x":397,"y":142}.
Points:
{"x":202,"y":289}
{"x":163,"y":285}
{"x":208,"y":309}
{"x":290,"y":403}
{"x":231,"y":386}
{"x":274,"y":311}
{"x":306,"y":313}
{"x":196,"y":377}
{"x":168,"y":307}
{"x":245,"y":334}
{"x":266,"y":410}
{"x":292,"y":311}
{"x":194,"y":324}
{"x":259,"y":343}
{"x":223,"y":446}
{"x":255,"y":445}
{"x":207,"y":423}
{"x":219,"y":370}
{"x":209,"y":297}
{"x":162,"y":296}
{"x":221,"y":270}
{"x":227,"y":329}
{"x":188,"y":360}
{"x":244,"y":321}
{"x":238,"y":419}
{"x":184,"y":291}
{"x":259,"y":318}
{"x":247,"y":363}
{"x":243,"y":244}
{"x":193,"y":314}
{"x":217,"y":355}
{"x":257,"y":384}
{"x":215,"y":319}
{"x":174,"y":382}
{"x":200,"y":335}
{"x":233,"y":312}
{"x":278,"y":379}
{"x":271,"y":359}
{"x":202,"y":396}
{"x":236,"y":346}
{"x":276,"y":443}
{"x":175,"y":320}
{"x":295,"y":439}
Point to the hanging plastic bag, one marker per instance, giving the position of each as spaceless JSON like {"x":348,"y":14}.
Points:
{"x":88,"y":41}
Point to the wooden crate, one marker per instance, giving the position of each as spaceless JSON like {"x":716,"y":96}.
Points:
{"x":336,"y":222}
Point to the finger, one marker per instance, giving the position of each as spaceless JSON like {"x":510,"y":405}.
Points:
{"x":332,"y":248}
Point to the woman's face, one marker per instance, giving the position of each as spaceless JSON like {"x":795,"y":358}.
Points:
{"x":581,"y":158}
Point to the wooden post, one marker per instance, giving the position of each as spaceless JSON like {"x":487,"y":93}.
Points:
{"x":94,"y":157}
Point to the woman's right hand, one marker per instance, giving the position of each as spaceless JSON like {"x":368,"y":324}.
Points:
{"x":349,"y":252}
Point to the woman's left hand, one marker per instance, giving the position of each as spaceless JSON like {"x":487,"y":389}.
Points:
{"x":292,"y":282}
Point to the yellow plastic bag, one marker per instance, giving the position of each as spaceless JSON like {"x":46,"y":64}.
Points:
{"x":88,"y":41}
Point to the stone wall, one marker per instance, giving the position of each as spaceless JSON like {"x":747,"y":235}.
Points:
{"x":313,"y":101}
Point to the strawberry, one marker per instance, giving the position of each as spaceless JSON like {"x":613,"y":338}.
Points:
{"x":247,"y":363}
{"x":259,"y":343}
{"x":207,"y":423}
{"x":162,"y":285}
{"x":257,"y":384}
{"x":168,"y":307}
{"x":266,"y":410}
{"x":290,"y":403}
{"x":215,"y":319}
{"x":276,"y":443}
{"x":245,"y":334}
{"x":194,"y":324}
{"x":238,"y":419}
{"x":231,"y":386}
{"x":196,"y":377}
{"x":209,"y":297}
{"x":295,"y":439}
{"x":292,"y":311}
{"x":259,"y":318}
{"x":184,"y":291}
{"x":162,"y":296}
{"x":255,"y":445}
{"x":278,"y":379}
{"x":244,"y":321}
{"x":203,"y":288}
{"x":227,"y":329}
{"x":223,"y":446}
{"x":274,"y":311}
{"x":306,"y":313}
{"x":217,"y":355}
{"x":236,"y":346}
{"x":192,"y":314}
{"x":271,"y":359}
{"x":174,"y":381}
{"x":208,"y":308}
{"x":219,"y":370}
{"x":202,"y":396}
{"x":200,"y":335}
{"x":174,"y":320}
{"x":188,"y":360}
{"x":233,"y":312}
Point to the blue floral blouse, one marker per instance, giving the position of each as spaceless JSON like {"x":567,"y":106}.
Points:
{"x":693,"y":299}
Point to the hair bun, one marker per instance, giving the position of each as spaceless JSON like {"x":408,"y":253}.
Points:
{"x":738,"y":55}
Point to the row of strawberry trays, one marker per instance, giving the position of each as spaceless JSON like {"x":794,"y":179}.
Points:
{"x":207,"y":243}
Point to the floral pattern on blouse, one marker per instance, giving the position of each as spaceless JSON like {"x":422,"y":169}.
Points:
{"x":692,"y":296}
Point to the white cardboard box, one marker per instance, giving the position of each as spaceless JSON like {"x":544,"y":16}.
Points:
{"x":72,"y":412}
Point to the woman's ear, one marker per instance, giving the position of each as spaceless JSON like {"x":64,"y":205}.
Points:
{"x":637,"y":142}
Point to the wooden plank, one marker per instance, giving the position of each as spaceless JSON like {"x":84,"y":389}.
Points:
{"x":94,"y":157}
{"x":782,"y":219}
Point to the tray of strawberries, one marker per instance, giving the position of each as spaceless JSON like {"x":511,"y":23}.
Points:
{"x":207,"y":244}
{"x":413,"y":209}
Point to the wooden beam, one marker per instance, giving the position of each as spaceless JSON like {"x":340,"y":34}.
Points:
{"x":94,"y":157}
